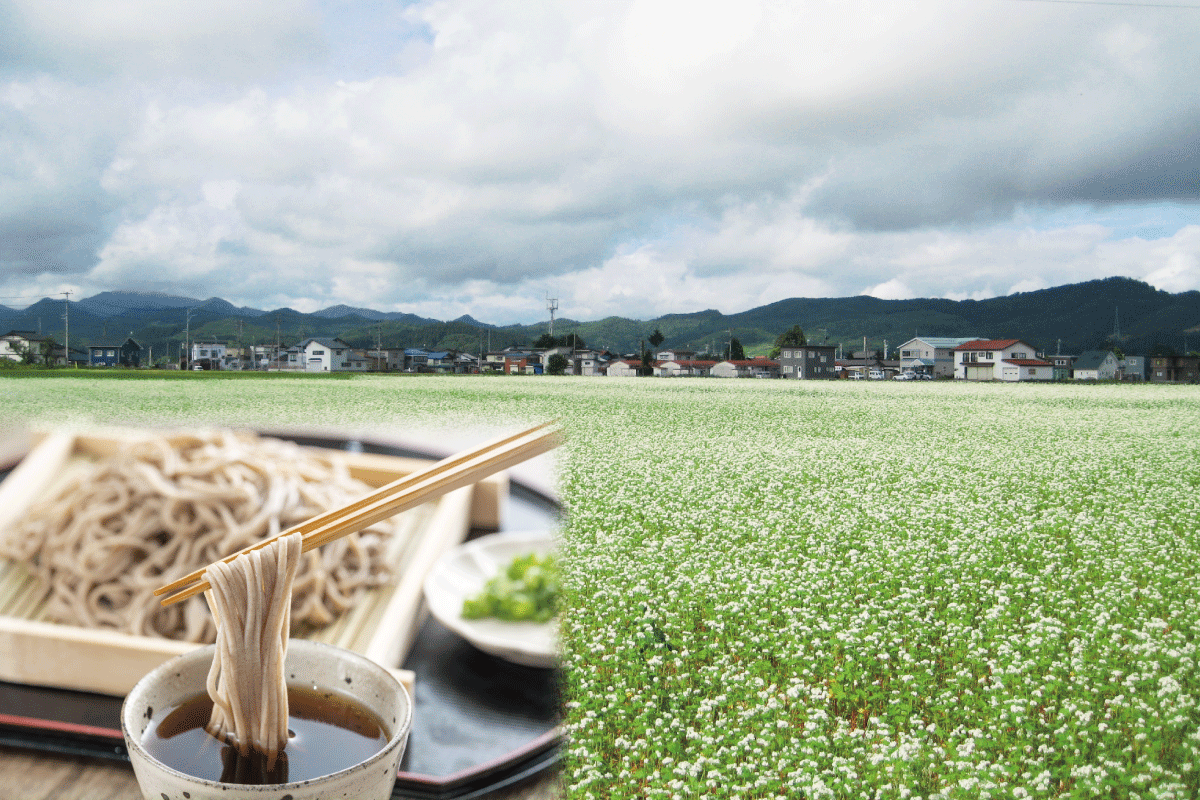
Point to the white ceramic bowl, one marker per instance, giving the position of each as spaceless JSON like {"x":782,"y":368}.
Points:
{"x":308,"y":663}
{"x":462,"y":573}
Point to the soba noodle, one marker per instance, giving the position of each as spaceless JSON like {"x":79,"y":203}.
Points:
{"x":162,"y":509}
{"x":249,"y":599}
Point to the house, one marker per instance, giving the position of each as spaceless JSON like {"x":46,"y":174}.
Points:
{"x":125,"y":354}
{"x":441,"y":361}
{"x":415,"y":359}
{"x":328,"y":355}
{"x":522,"y":362}
{"x":746,"y":368}
{"x":675,"y":355}
{"x":624,"y":368}
{"x":15,"y":344}
{"x":932,"y":355}
{"x":1132,"y":368}
{"x":209,"y":355}
{"x":1095,"y":365}
{"x":866,"y":368}
{"x":1174,"y":369}
{"x":1000,"y":360}
{"x":466,"y":364}
{"x":261,"y":356}
{"x":386,"y":359}
{"x":683,"y":368}
{"x":810,"y":362}
{"x":1062,"y":366}
{"x":587,"y":362}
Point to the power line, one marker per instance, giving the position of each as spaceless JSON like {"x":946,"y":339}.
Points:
{"x":27,"y":297}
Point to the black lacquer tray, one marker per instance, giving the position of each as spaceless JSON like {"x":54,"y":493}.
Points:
{"x":482,"y":723}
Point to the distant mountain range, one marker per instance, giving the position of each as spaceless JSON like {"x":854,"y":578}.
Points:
{"x":1069,"y":319}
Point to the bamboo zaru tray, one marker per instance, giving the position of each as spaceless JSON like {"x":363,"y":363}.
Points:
{"x":381,"y":626}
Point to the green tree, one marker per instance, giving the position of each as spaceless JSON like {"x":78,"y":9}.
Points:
{"x":656,"y":338}
{"x":544,"y":342}
{"x":789,"y":338}
{"x":735,"y":352}
{"x":27,"y":352}
{"x":557,"y":364}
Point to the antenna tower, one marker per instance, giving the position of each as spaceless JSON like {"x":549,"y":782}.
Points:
{"x":551,"y":306}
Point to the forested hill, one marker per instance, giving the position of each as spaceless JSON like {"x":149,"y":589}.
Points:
{"x":1068,"y":319}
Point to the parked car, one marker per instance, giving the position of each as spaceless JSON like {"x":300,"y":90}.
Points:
{"x":904,"y":376}
{"x":876,"y":374}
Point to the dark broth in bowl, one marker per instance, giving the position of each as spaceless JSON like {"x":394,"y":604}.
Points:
{"x":327,"y":732}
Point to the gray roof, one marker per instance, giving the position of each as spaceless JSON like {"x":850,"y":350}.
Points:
{"x":943,"y":342}
{"x":1091,"y":359}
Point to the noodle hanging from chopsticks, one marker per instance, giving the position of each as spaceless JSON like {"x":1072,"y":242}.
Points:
{"x":249,"y":599}
{"x":161,"y":509}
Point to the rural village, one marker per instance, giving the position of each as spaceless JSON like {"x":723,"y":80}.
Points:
{"x":920,"y":358}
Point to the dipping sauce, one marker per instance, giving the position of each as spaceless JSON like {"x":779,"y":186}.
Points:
{"x":327,"y":732}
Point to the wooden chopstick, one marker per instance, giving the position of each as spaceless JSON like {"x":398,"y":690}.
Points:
{"x":419,"y":487}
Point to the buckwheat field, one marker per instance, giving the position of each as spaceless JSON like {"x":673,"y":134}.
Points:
{"x":784,"y":589}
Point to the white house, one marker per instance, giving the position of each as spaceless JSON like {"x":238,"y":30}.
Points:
{"x":675,"y":355}
{"x":586,"y":362}
{"x":933,"y":355}
{"x":746,"y":368}
{"x":1095,"y":365}
{"x":682,"y":368}
{"x":211,"y":354}
{"x":1000,"y":360}
{"x":329,"y":355}
{"x":623,"y":368}
{"x":14,"y":345}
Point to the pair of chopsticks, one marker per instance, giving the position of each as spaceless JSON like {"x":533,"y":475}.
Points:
{"x":418,"y":487}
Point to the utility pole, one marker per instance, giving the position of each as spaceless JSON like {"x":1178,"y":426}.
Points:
{"x":67,"y":324}
{"x":187,"y":339}
{"x":276,"y":341}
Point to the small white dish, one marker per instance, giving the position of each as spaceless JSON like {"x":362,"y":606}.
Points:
{"x":463,"y":572}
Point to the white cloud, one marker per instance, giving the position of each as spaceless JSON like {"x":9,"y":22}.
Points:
{"x":895,"y":289}
{"x":636,"y":157}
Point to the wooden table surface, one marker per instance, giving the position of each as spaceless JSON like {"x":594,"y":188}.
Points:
{"x":35,"y":775}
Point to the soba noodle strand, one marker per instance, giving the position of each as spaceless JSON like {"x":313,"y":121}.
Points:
{"x":251,"y":599}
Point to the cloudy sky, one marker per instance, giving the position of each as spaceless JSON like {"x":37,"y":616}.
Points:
{"x":628,"y":157}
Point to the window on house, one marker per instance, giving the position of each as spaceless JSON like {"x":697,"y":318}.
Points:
{"x":337,"y":352}
{"x":1018,"y":355}
{"x":318,"y":352}
{"x":110,"y":353}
